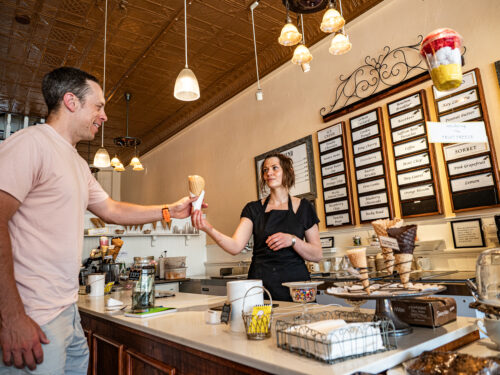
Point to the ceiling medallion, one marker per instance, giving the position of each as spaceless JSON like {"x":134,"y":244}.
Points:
{"x":305,"y":6}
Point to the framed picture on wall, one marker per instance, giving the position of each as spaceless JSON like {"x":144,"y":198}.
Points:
{"x":467,"y":233}
{"x":301,"y":153}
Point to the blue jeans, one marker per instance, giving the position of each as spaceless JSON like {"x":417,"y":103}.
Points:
{"x":67,"y":352}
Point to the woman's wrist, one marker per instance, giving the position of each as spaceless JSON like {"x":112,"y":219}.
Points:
{"x":294,"y":241}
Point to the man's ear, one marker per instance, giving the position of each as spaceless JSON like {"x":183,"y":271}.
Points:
{"x":70,"y":101}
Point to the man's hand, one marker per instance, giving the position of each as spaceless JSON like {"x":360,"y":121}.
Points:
{"x":182,"y":208}
{"x":21,"y":342}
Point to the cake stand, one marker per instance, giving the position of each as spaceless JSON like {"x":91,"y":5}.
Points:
{"x":384,"y":307}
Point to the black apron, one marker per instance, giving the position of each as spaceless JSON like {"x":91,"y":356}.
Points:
{"x":276,"y":267}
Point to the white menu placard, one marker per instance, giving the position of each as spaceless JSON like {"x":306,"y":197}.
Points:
{"x":409,"y":132}
{"x":374,"y":213}
{"x":412,"y":162}
{"x":404,"y":104}
{"x":330,"y":132}
{"x":336,"y":220}
{"x":330,"y":145}
{"x":332,"y":156}
{"x":472,"y":182}
{"x":466,"y":114}
{"x":417,"y":145}
{"x":455,"y":132}
{"x":363,"y":174}
{"x":467,"y":233}
{"x":367,"y":132}
{"x":406,"y":118}
{"x":463,"y":150}
{"x":335,"y":193}
{"x":414,"y":176}
{"x":332,"y":169}
{"x":337,"y":206}
{"x":415,"y":192}
{"x":468,"y":80}
{"x":469,"y":165}
{"x":459,"y":100}
{"x":366,"y":187}
{"x":334,"y":181}
{"x":372,"y":144}
{"x":374,"y":157}
{"x":364,"y":119}
{"x":373,"y":200}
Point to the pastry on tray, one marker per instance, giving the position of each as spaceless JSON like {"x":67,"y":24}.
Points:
{"x":429,"y":363}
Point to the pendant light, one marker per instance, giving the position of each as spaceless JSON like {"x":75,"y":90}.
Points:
{"x":301,"y":55}
{"x":115,"y":161}
{"x":289,"y":36}
{"x":340,"y":43}
{"x":101,"y":158}
{"x":186,"y":85}
{"x":332,"y":20}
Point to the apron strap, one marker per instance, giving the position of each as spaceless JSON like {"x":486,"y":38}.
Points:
{"x":290,"y":206}
{"x":266,"y":202}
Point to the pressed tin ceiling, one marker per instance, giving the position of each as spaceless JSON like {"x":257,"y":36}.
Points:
{"x":145,"y":53}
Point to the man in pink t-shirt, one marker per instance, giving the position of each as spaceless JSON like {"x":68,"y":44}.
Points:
{"x":45,"y":189}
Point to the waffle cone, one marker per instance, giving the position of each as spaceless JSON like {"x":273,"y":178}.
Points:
{"x":357,"y":257}
{"x":196,"y":184}
{"x":380,"y":227}
{"x":405,"y":237}
{"x":403,"y":266}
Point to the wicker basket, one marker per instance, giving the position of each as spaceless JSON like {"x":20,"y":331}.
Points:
{"x":258,"y":325}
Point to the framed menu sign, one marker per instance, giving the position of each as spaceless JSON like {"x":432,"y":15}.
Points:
{"x":414,"y":157}
{"x":471,"y":168}
{"x":337,"y":194}
{"x":467,"y":233}
{"x":301,"y":153}
{"x":370,"y":163}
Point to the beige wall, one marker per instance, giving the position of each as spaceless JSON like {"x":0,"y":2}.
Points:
{"x":221,"y":146}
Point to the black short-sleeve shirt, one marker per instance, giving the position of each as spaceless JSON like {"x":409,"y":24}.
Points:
{"x":305,"y":213}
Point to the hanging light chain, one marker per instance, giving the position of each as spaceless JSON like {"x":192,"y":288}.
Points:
{"x":185,"y":33}
{"x":255,"y":49}
{"x":104,"y":72}
{"x":302,"y":26}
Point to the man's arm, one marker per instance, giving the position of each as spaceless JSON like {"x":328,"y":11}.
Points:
{"x":123,"y":213}
{"x":20,"y":336}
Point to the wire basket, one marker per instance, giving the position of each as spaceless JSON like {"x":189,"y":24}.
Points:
{"x":258,"y":321}
{"x":368,"y":335}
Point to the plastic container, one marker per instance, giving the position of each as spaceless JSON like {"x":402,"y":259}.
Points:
{"x":175,"y":262}
{"x":441,"y":50}
{"x":303,"y":291}
{"x":175,"y":273}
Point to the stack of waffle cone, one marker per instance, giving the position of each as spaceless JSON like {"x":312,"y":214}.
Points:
{"x":357,"y":257}
{"x":404,"y":256}
{"x":380,"y":227}
{"x":196,"y":184}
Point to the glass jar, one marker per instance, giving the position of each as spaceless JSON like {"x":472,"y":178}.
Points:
{"x":142,"y":275}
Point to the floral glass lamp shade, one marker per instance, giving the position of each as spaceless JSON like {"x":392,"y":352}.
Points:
{"x":332,"y":21}
{"x":186,"y":86}
{"x":101,"y":158}
{"x":119,"y":168}
{"x":135,"y":161}
{"x":289,"y":36}
{"x":301,"y":55}
{"x":340,"y":44}
{"x":138,"y":167}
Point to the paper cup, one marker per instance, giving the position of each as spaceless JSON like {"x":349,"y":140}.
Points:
{"x":236,"y":292}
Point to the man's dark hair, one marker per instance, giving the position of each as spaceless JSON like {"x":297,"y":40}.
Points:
{"x":62,"y":80}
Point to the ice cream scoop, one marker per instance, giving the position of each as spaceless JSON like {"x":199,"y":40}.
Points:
{"x":197,"y":189}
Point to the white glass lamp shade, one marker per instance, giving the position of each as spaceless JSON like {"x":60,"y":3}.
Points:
{"x":289,"y":36}
{"x":186,"y":86}
{"x":115,"y":161}
{"x":101,"y":158}
{"x":301,"y":55}
{"x":332,"y":21}
{"x":135,"y":161}
{"x":119,"y":168}
{"x":340,"y":44}
{"x":138,"y":167}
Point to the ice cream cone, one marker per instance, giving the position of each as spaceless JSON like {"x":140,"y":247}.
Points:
{"x":154,"y":223}
{"x":403,"y":266}
{"x":163,"y":224}
{"x":380,"y":227}
{"x":357,"y":257}
{"x":196,"y":184}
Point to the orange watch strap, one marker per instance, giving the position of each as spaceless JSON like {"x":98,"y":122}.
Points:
{"x":165,"y":212}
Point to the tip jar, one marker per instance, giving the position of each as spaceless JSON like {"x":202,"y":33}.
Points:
{"x":142,"y":276}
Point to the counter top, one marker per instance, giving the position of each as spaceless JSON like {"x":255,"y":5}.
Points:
{"x":188,"y":327}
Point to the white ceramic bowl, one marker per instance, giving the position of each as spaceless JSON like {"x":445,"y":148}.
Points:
{"x":303,"y":291}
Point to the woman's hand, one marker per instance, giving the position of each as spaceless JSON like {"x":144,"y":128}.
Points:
{"x":279,"y":241}
{"x":199,"y":222}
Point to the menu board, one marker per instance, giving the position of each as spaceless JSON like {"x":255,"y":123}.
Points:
{"x":370,"y":164}
{"x":471,"y":168}
{"x":336,"y":185}
{"x":302,"y":157}
{"x":415,"y":162}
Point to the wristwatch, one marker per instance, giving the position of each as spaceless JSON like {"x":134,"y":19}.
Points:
{"x":293,"y":241}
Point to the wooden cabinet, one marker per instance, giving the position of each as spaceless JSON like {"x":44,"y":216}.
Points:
{"x":117,"y":349}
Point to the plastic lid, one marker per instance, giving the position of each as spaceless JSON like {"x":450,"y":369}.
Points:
{"x":440,"y":38}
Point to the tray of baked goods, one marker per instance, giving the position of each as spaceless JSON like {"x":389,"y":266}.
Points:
{"x":383,"y":290}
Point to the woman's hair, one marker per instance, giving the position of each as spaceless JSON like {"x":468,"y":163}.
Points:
{"x":286,"y":164}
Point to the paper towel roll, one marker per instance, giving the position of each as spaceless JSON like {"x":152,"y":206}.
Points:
{"x":235,"y":292}
{"x":96,"y":282}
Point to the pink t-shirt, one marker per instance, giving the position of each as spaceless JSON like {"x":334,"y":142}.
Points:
{"x":44,"y":172}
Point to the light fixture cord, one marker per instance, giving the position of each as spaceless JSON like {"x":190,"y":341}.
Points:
{"x":185,"y":34}
{"x":104,"y":73}
{"x":342,"y":15}
{"x":302,"y":26}
{"x":255,"y":50}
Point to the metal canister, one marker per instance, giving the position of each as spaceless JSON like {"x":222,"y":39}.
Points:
{"x":356,"y":240}
{"x":142,"y":274}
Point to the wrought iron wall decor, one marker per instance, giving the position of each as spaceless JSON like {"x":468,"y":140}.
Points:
{"x":390,"y":68}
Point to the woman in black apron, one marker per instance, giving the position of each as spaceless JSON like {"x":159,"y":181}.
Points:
{"x":279,"y":225}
